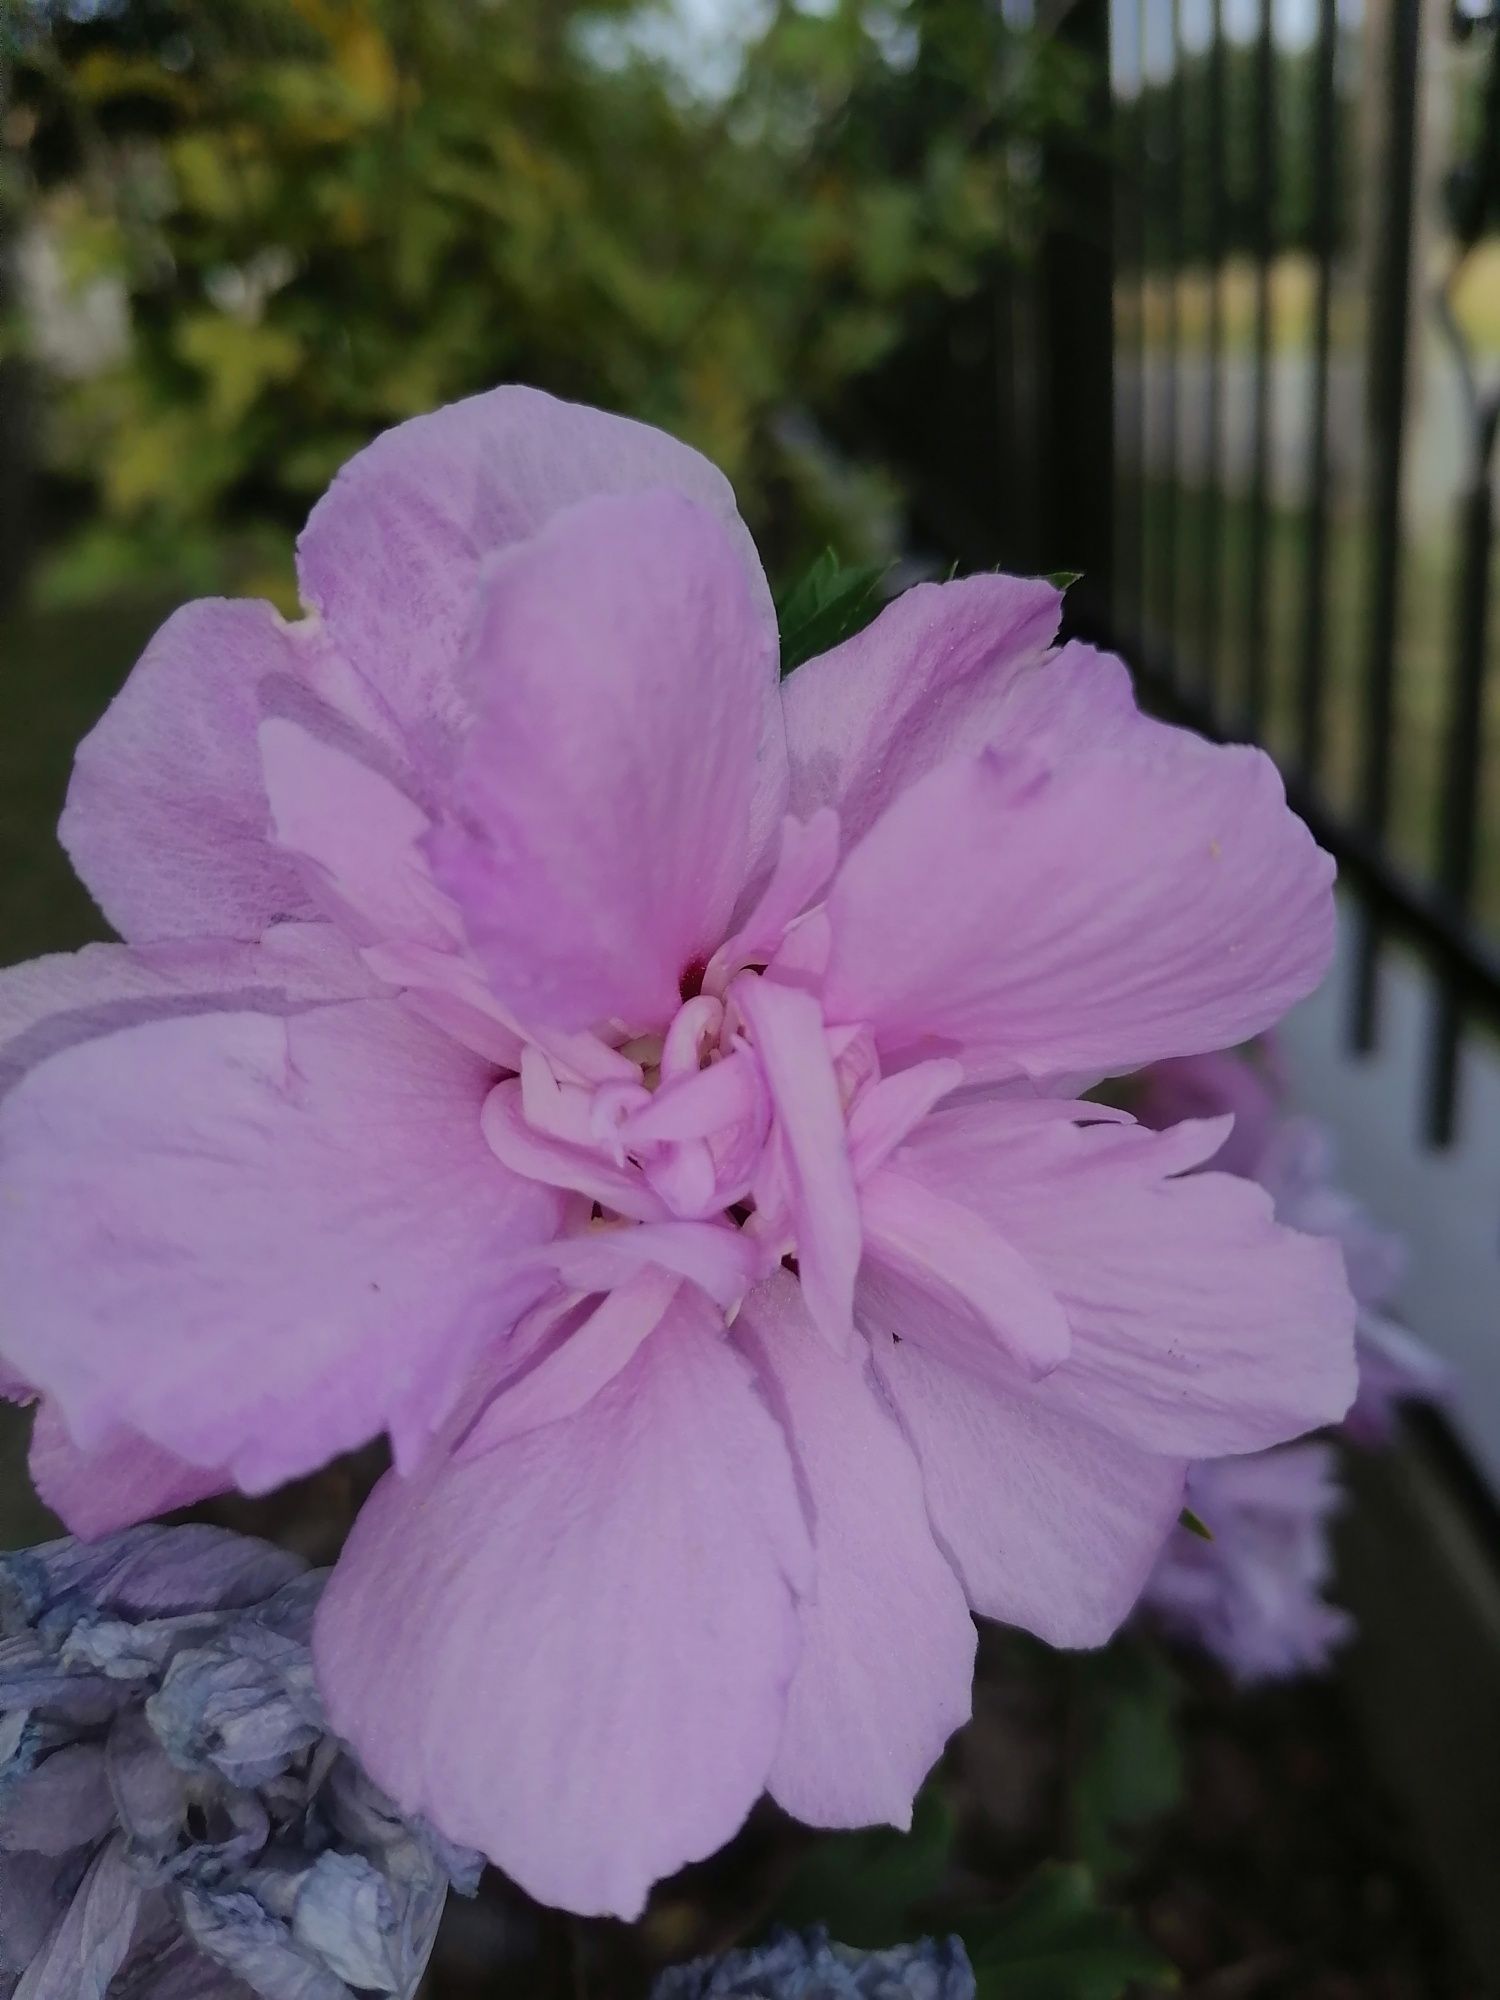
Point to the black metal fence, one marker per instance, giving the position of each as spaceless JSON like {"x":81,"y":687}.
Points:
{"x":1302,"y":193}
{"x":1250,"y":387}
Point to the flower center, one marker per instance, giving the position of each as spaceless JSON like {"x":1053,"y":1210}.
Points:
{"x":740,"y":1135}
{"x":692,"y":1124}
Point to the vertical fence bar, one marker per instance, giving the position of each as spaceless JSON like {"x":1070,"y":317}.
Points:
{"x":1163,"y":93}
{"x":1471,"y":194}
{"x":1150,"y":114}
{"x":1173,"y":198}
{"x":1263,"y":203}
{"x":1391,"y":308}
{"x":1462,"y":757}
{"x":1211,"y":499}
{"x":1013,"y":415}
{"x":1129,"y":309}
{"x":1312,"y":675}
{"x":1144,"y":512}
{"x":18,"y":397}
{"x":1076,"y":346}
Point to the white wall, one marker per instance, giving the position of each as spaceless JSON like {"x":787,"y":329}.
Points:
{"x":1447,"y":1204}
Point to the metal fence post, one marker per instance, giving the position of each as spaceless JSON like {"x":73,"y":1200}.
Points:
{"x":1076,"y":286}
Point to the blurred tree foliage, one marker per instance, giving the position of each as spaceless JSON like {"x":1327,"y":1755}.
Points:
{"x":327,"y":215}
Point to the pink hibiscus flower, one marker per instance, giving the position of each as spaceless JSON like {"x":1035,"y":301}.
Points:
{"x":648,"y":1094}
{"x":1293,"y":1158}
{"x":1253,"y":1597}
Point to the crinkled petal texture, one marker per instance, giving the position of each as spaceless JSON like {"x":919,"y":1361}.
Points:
{"x":887,"y":1640}
{"x":123,"y":1480}
{"x":1196,"y":1325}
{"x":56,"y":1003}
{"x":598,"y":1627}
{"x":1199,"y":1324}
{"x":1050,"y":1523}
{"x":166,"y":819}
{"x":597,"y":832}
{"x":391,"y":555}
{"x":302,"y":1207}
{"x":1042,"y":912}
{"x":356,"y":833}
{"x":942,"y":670}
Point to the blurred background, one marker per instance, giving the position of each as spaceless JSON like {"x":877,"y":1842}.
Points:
{"x":1198,"y":300}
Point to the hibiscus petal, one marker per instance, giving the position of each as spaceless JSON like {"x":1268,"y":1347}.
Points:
{"x":1040,"y":916}
{"x":937,"y":1273}
{"x":446,"y":988}
{"x":696,"y":1105}
{"x":720,"y":1260}
{"x":256,"y":1240}
{"x":930,"y":677}
{"x":1208,"y":1086}
{"x":587,"y":1358}
{"x":14,"y":1388}
{"x":123,"y":1480}
{"x":50,"y":1004}
{"x":358,"y":837}
{"x":598,"y":1628}
{"x":597,"y":831}
{"x":1076,"y":699}
{"x":166,"y":819}
{"x":805,"y":861}
{"x":553,"y":1162}
{"x":391,"y":555}
{"x":1200,"y":1324}
{"x":888,"y":1644}
{"x":881,"y":1119}
{"x":793,"y":1051}
{"x":1051,"y":1525}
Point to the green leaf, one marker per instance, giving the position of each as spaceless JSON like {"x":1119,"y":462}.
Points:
{"x":1129,"y":1766}
{"x":865,"y":1886}
{"x":1055,"y":1941}
{"x":1064,"y":579}
{"x":1195,"y":1525}
{"x":827,"y":604}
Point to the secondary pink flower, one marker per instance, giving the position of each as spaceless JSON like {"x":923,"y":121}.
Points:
{"x":1293,"y":1158}
{"x":1254,"y":1595}
{"x":649,"y":1095}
